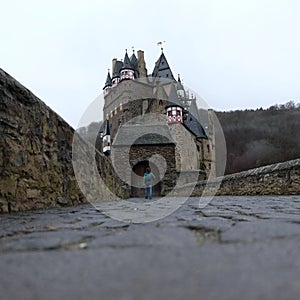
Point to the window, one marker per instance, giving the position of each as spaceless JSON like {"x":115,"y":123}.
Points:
{"x":208,"y":148}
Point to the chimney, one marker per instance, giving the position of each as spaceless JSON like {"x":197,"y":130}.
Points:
{"x":141,"y":64}
{"x":113,"y":66}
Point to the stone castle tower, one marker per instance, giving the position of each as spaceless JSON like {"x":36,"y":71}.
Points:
{"x":152,"y":120}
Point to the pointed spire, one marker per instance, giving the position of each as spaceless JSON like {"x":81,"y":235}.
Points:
{"x":179,"y":84}
{"x":126,"y":63}
{"x":106,"y":128}
{"x":133,"y":60}
{"x":162,"y":68}
{"x":108,"y":81}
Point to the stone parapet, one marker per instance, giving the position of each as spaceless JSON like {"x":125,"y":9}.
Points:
{"x":277,"y":179}
{"x":36,"y":152}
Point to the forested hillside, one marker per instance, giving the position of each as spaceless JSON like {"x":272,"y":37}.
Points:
{"x":91,"y":133}
{"x":260,"y":137}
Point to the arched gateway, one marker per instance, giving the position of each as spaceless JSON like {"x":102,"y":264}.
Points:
{"x":139,"y":169}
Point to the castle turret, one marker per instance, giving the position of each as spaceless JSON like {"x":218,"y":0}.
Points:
{"x":174,"y":108}
{"x":106,"y":138}
{"x":127,"y":71}
{"x":108,"y":84}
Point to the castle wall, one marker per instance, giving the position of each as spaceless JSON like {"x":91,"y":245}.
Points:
{"x":125,"y":91}
{"x":132,"y":111}
{"x":186,"y":153}
{"x":208,"y":154}
{"x":212,"y":119}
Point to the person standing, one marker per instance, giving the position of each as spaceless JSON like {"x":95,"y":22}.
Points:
{"x":148,"y":181}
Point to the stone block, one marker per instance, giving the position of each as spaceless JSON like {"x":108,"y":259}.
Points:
{"x":33,"y":193}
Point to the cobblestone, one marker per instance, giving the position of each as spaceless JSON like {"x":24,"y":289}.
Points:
{"x":234,"y":248}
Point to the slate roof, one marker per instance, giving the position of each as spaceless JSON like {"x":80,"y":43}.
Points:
{"x":106,"y":128}
{"x":134,"y":64}
{"x":162,"y":68}
{"x":133,"y":60}
{"x":126,"y":63}
{"x":117,"y":68}
{"x":173,"y":97}
{"x":191,"y":122}
{"x":108,"y":81}
{"x":128,"y":135}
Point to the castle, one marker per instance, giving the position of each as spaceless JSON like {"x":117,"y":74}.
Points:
{"x":152,"y":120}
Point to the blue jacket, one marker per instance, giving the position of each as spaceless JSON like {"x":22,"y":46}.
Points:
{"x":148,"y":178}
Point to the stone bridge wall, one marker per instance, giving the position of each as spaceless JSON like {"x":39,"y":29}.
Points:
{"x":277,"y":179}
{"x":36,"y":153}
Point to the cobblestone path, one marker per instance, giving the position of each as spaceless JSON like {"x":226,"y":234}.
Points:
{"x":234,"y":248}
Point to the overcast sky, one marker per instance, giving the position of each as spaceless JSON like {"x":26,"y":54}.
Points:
{"x":236,"y":54}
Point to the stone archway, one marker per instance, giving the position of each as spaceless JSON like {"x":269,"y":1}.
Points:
{"x":137,"y":181}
